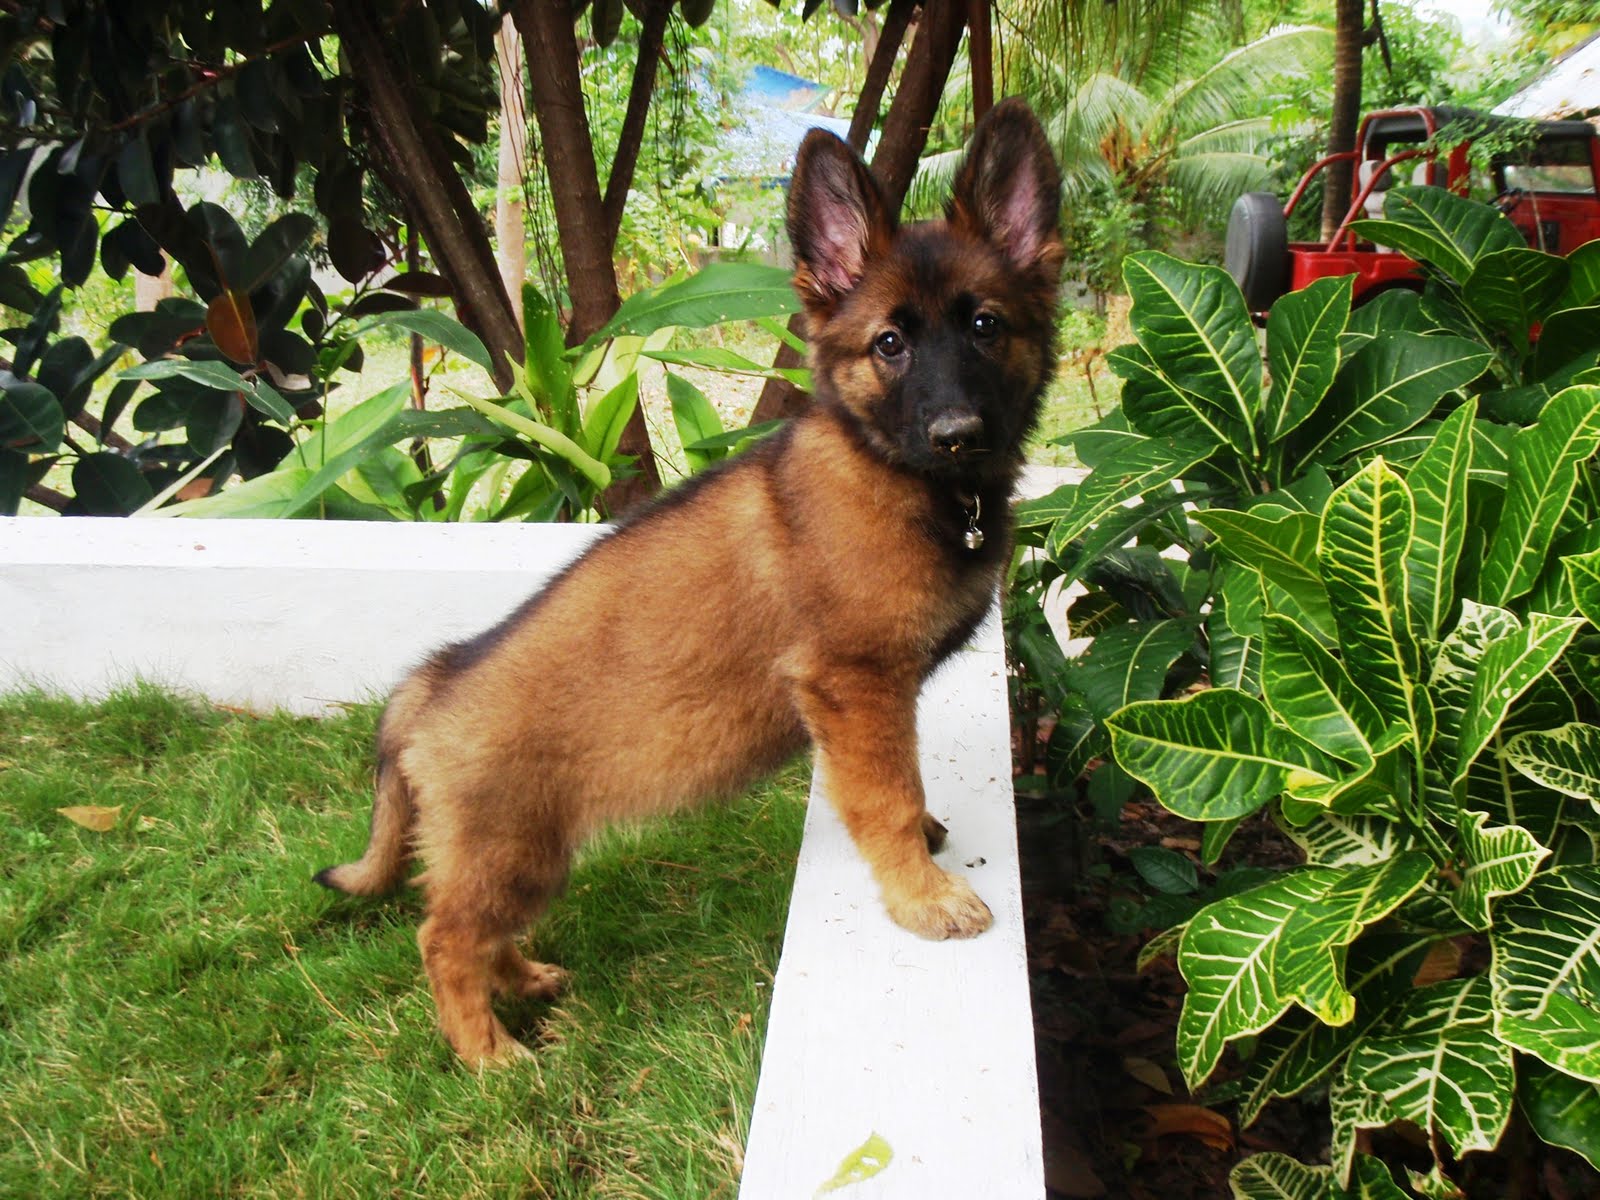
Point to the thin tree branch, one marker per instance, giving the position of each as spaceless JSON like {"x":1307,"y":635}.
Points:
{"x":651,"y":36}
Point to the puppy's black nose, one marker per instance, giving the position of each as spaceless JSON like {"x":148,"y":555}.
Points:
{"x":953,"y":433}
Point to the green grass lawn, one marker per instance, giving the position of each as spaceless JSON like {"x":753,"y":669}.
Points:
{"x":185,"y":1014}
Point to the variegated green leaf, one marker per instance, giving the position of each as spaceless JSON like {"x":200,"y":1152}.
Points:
{"x":1435,"y":226}
{"x":1235,"y":658}
{"x":1583,"y":573}
{"x":1158,"y":408}
{"x":1456,"y":665}
{"x":1509,"y":667}
{"x":1214,"y":837}
{"x":1274,"y":1176}
{"x":1546,"y":970}
{"x":1494,"y":786}
{"x":1283,"y":548}
{"x":1299,"y":1049}
{"x":1385,"y":388}
{"x":1303,"y":350}
{"x":1113,"y":531}
{"x":1565,"y":759}
{"x":1543,"y":473}
{"x":1310,"y":692}
{"x":1434,"y":1062}
{"x":1129,"y":662}
{"x":1515,"y":287}
{"x":1129,"y":472}
{"x":1562,"y":1110}
{"x":1495,"y":862}
{"x":1226,"y":957}
{"x":1164,"y":943}
{"x":1215,"y":755}
{"x":1193,"y":321}
{"x":1336,"y":840}
{"x":1438,"y":482}
{"x":1309,"y":964}
{"x":1366,"y":535}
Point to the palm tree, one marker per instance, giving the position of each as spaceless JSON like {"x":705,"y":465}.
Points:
{"x":1141,"y":141}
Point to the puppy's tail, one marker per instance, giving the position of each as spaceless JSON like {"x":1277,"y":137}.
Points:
{"x":382,"y":868}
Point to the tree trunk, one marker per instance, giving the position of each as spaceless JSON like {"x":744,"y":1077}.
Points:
{"x":552,"y":53}
{"x":879,"y":69}
{"x":1347,"y":44}
{"x":652,"y":33}
{"x":416,"y":167}
{"x":150,"y":290}
{"x":905,"y":133}
{"x":980,"y":53}
{"x":509,"y":215}
{"x":586,"y":245}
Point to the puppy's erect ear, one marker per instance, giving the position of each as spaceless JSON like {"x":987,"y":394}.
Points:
{"x":837,"y":219}
{"x":1008,"y":190}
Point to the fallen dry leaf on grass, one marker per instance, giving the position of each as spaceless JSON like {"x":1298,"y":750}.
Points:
{"x":92,"y":816}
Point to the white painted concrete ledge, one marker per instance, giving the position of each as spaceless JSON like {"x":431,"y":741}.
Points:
{"x":872,"y":1030}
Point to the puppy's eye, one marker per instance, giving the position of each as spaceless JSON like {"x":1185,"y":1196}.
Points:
{"x":889,"y":344}
{"x":985,"y":325}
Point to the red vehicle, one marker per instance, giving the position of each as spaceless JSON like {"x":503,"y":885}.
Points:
{"x":1549,"y":186}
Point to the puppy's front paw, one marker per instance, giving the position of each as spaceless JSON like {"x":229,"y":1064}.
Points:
{"x":948,"y":909}
{"x":933,"y":832}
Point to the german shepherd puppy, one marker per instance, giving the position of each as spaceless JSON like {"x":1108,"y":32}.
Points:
{"x":838,"y":561}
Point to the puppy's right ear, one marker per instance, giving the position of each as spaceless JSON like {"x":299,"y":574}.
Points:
{"x":837,"y":220}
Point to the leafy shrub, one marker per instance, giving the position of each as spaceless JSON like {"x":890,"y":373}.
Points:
{"x":1381,"y":553}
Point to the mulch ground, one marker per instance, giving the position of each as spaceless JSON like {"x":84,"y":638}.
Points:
{"x":1117,"y":1119}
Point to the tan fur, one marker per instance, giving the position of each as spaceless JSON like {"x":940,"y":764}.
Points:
{"x":801,"y":594}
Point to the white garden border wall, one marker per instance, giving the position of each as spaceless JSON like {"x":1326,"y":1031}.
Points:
{"x":872,"y":1031}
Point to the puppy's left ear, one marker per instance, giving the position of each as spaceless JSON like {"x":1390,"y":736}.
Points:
{"x":1008,"y":190}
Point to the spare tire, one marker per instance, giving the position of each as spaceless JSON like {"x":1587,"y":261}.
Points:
{"x":1257,"y":250}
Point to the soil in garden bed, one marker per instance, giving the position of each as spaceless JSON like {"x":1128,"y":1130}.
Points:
{"x":1117,"y":1119}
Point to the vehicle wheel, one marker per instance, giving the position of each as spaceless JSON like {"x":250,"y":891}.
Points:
{"x":1257,"y":249}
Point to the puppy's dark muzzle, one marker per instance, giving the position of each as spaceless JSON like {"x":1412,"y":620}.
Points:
{"x":955,"y":435}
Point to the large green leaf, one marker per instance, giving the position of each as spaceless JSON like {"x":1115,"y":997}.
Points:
{"x":695,"y":417}
{"x":1114,"y":530}
{"x":1126,"y":663}
{"x":1495,"y":862}
{"x":261,"y":395}
{"x":1366,"y":535}
{"x":1546,"y":970}
{"x":1434,"y":1062}
{"x":1583,"y":575}
{"x":722,"y":291}
{"x":1566,"y":760}
{"x":1583,"y":281}
{"x":1157,"y":407}
{"x":1543,"y":474}
{"x":1226,"y":957}
{"x":1235,"y":658}
{"x":608,"y":417}
{"x":1284,"y":550}
{"x":1215,"y":755}
{"x":1515,"y":288}
{"x":1509,"y":667}
{"x":31,"y":418}
{"x":1310,"y":692}
{"x":1303,"y":350}
{"x":1494,"y":786}
{"x":1193,"y":321}
{"x":1385,"y":388}
{"x":1438,"y":483}
{"x":1299,"y":1049}
{"x":1129,"y":472}
{"x":1562,"y":1110}
{"x":1435,"y":226}
{"x":1308,"y":966}
{"x":1274,"y":1176}
{"x":1455,"y":665}
{"x":1344,"y":840}
{"x":436,"y":327}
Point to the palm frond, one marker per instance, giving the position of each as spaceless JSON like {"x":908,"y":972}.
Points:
{"x":1206,"y":184}
{"x":1236,"y":83}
